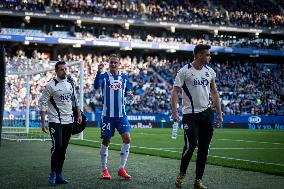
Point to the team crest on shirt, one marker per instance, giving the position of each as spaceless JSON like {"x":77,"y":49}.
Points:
{"x":206,"y":74}
{"x":116,"y":85}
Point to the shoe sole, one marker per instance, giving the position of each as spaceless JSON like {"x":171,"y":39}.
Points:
{"x":61,"y":183}
{"x":126,"y":178}
{"x":106,"y":178}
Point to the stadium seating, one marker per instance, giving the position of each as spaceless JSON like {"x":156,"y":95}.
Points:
{"x":241,"y":90}
{"x":238,"y":13}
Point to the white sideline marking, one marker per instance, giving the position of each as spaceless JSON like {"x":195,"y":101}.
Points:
{"x":221,"y":157}
{"x":225,"y":139}
{"x":245,"y":160}
{"x":246,"y":148}
{"x":249,"y":141}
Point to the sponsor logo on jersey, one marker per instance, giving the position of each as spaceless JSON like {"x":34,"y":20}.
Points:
{"x":115,"y":85}
{"x":65,"y":97}
{"x":203,"y":82}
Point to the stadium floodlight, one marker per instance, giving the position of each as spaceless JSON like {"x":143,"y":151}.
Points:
{"x":78,"y":45}
{"x":256,"y":34}
{"x":126,"y":49}
{"x":171,"y":50}
{"x":215,"y":32}
{"x":27,"y":19}
{"x":254,"y":55}
{"x":78,"y":22}
{"x":126,"y":26}
{"x":173,"y":29}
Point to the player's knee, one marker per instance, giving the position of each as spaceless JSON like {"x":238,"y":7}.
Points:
{"x":126,"y":139}
{"x":105,"y":142}
{"x":192,"y":145}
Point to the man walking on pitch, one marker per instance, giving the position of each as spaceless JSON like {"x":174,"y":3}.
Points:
{"x":57,"y":98}
{"x":115,"y":87}
{"x":197,"y":81}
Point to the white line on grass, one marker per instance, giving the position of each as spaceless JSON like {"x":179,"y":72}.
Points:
{"x":246,"y":148}
{"x":169,"y":134}
{"x":221,"y":157}
{"x":248,"y":141}
{"x":223,"y":139}
{"x":246,"y":160}
{"x":254,"y":131}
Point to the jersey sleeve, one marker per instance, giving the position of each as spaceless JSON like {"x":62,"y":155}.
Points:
{"x":98,"y":80}
{"x":45,"y":96}
{"x":179,"y":80}
{"x":213,"y":74}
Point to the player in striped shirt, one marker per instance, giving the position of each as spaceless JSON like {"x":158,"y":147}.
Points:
{"x":115,"y":87}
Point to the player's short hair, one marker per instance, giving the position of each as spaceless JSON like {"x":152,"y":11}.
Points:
{"x":59,"y":63}
{"x":114,"y":56}
{"x":200,"y":48}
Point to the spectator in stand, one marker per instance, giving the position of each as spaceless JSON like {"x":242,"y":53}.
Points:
{"x":152,"y":78}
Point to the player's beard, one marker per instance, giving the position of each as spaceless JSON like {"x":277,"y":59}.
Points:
{"x":62,"y":77}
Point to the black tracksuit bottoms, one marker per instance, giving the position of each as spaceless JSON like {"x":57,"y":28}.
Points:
{"x":198,"y":131}
{"x":60,"y":136}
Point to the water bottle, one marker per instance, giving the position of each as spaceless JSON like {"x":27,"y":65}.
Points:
{"x":129,"y":100}
{"x":175,"y":130}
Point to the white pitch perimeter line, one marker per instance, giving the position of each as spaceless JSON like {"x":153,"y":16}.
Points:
{"x":246,"y":148}
{"x":221,"y":157}
{"x":245,"y":160}
{"x":249,"y":141}
{"x":225,"y":139}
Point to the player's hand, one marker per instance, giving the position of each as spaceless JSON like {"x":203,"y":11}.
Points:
{"x":219,"y":120}
{"x":44,"y":129}
{"x":175,"y":116}
{"x":101,"y":67}
{"x":79,"y":120}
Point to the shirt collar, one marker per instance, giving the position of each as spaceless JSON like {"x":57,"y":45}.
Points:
{"x":60,"y":80}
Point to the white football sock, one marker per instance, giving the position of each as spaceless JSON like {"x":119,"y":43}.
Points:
{"x":104,"y":155}
{"x":124,"y":154}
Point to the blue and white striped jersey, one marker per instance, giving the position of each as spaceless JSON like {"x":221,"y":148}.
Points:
{"x":114,"y":88}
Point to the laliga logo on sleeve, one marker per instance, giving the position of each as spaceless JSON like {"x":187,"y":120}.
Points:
{"x":254,"y":119}
{"x":116,"y":86}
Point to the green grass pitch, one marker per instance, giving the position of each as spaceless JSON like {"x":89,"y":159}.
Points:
{"x":26,"y":164}
{"x":256,"y":150}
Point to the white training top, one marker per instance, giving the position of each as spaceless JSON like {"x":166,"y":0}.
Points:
{"x":196,"y":88}
{"x":57,"y":99}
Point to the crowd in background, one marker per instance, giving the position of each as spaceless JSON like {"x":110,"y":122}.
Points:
{"x":161,"y":37}
{"x":244,"y":13}
{"x":253,"y":13}
{"x":245,"y":88}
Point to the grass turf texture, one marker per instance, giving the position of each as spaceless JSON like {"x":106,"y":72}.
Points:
{"x":26,"y":165}
{"x":256,"y":150}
